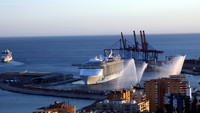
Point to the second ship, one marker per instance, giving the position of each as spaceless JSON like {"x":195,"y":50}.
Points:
{"x":102,"y":69}
{"x":6,"y":56}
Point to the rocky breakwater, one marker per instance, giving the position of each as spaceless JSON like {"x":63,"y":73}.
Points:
{"x":79,"y":94}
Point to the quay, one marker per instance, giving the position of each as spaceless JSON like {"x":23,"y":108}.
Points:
{"x":39,"y":78}
{"x":191,"y":66}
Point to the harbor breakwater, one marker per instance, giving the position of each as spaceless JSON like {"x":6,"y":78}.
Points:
{"x":78,"y":94}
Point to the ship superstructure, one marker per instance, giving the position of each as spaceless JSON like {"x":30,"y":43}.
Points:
{"x":102,"y":69}
{"x":6,"y":56}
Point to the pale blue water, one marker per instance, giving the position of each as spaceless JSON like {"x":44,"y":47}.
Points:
{"x":56,"y":54}
{"x":21,"y":103}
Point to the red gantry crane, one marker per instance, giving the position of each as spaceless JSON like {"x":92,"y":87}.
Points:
{"x":140,"y":52}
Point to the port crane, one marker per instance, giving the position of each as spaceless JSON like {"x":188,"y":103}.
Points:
{"x":139,"y":51}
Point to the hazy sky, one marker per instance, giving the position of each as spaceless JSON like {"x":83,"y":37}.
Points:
{"x":97,"y":17}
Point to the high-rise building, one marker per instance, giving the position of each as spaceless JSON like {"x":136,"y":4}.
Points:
{"x":156,"y":89}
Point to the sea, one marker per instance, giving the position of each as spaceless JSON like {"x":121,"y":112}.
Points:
{"x":58,"y":53}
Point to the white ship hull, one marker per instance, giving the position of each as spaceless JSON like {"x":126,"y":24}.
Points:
{"x":91,"y":79}
{"x":95,"y":79}
{"x":6,"y":56}
{"x":6,"y":59}
{"x":112,"y":77}
{"x":91,"y":76}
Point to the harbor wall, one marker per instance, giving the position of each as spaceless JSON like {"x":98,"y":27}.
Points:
{"x":54,"y":92}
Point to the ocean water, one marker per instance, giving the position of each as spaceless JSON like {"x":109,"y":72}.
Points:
{"x":56,"y":54}
{"x":22,"y":103}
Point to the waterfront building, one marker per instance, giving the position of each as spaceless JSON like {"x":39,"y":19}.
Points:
{"x":120,"y":106}
{"x":123,"y":101}
{"x":62,"y":107}
{"x":137,"y":96}
{"x":122,"y":94}
{"x":156,"y":89}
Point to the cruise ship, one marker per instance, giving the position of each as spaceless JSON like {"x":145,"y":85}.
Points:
{"x":6,"y":56}
{"x":102,"y":69}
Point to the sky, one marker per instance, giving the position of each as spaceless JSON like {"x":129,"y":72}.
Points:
{"x":97,"y":17}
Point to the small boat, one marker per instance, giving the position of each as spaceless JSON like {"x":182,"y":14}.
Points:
{"x":6,"y":56}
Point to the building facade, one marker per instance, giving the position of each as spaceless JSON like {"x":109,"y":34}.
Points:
{"x":122,"y":107}
{"x":62,"y":107}
{"x":124,"y":101}
{"x":156,"y":89}
{"x":122,"y":94}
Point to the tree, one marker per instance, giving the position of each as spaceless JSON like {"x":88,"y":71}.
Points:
{"x":194,"y":105}
{"x":158,"y":110}
{"x":169,"y":108}
{"x":187,"y":105}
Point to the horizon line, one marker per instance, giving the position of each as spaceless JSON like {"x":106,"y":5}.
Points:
{"x":93,"y":35}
